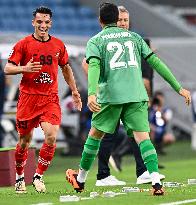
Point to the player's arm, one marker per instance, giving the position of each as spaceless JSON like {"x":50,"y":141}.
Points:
{"x":93,"y":78}
{"x":85,"y":66}
{"x":31,"y":67}
{"x":93,"y":58}
{"x":194,"y":101}
{"x":147,"y":86}
{"x":69,"y":78}
{"x":166,"y":73}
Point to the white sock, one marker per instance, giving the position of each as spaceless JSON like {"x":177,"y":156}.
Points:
{"x":36,"y":174}
{"x":19,"y":176}
{"x":155,"y":178}
{"x":82,"y":175}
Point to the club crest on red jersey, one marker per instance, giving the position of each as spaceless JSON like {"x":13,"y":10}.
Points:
{"x":44,"y":77}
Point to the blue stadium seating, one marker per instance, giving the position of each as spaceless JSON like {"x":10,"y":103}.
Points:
{"x":85,"y":11}
{"x":3,"y":2}
{"x":65,"y":3}
{"x":9,"y":24}
{"x":66,"y":12}
{"x":50,"y":4}
{"x":69,"y":17}
{"x":19,"y":11}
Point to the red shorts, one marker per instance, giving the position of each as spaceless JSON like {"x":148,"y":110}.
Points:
{"x":33,"y":109}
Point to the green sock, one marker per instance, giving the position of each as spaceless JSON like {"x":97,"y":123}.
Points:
{"x":149,"y":156}
{"x":91,"y":148}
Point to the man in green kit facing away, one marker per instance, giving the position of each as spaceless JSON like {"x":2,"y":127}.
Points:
{"x":116,"y":91}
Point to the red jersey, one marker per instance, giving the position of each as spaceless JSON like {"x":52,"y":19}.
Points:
{"x":49,"y":53}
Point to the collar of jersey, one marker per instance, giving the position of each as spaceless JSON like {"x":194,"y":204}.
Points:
{"x":110,"y":25}
{"x":41,"y":41}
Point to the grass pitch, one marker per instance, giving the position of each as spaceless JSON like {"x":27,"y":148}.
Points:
{"x":180,"y":164}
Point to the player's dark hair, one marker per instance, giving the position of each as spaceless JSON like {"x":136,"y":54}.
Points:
{"x":108,"y":13}
{"x":156,"y":101}
{"x":158,"y":93}
{"x":42,"y":10}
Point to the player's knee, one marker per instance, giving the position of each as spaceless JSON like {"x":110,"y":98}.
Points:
{"x":96,"y":133}
{"x":24,"y":143}
{"x":50,"y":133}
{"x":141,"y":136}
{"x":51,"y":140}
{"x":25,"y":140}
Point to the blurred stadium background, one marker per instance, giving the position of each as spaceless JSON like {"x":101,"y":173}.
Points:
{"x":171,"y":25}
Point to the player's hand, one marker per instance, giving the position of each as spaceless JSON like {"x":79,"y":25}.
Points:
{"x":32,"y":67}
{"x":186,"y":94}
{"x":92,"y":104}
{"x":77,"y":100}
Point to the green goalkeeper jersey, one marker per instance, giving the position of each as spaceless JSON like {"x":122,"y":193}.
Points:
{"x":120,"y":53}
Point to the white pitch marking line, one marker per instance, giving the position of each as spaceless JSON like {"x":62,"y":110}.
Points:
{"x":180,"y":202}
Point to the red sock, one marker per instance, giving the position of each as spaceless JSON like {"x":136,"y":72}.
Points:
{"x":20,"y":159}
{"x":45,"y":157}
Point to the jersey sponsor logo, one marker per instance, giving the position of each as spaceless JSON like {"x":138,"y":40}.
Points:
{"x":44,"y":77}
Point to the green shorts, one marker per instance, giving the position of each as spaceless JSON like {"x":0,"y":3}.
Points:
{"x":134,"y":116}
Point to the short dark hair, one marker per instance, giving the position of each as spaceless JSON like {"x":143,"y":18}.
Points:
{"x":42,"y":10}
{"x":158,"y":93}
{"x":108,"y":13}
{"x":156,"y":101}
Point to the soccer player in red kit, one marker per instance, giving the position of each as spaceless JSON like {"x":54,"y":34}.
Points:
{"x":37,"y":57}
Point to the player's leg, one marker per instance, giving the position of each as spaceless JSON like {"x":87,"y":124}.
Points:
{"x":123,"y":148}
{"x":48,"y":148}
{"x":140,"y":166}
{"x":49,"y":121}
{"x":46,"y":154}
{"x":103,"y":121}
{"x":25,"y":129}
{"x":128,"y":146}
{"x":138,"y":112}
{"x":106,"y":147}
{"x":26,"y":120}
{"x":143,"y":175}
{"x":103,"y":156}
{"x":91,"y":148}
{"x":150,"y":158}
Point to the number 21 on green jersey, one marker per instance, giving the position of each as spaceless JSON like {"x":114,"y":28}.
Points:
{"x":118,"y":61}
